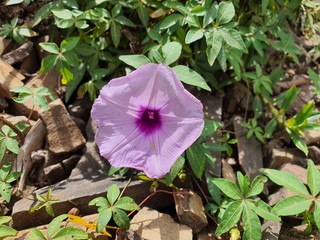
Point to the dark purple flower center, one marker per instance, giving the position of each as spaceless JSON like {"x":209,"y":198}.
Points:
{"x":149,"y":120}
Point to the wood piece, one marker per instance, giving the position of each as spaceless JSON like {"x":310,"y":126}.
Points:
{"x":17,"y":55}
{"x":9,"y":78}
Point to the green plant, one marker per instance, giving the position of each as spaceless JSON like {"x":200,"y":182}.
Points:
{"x":6,"y":231}
{"x":13,"y":2}
{"x":6,"y":178}
{"x":45,"y":201}
{"x":8,"y":141}
{"x":306,"y":200}
{"x":240,"y":201}
{"x":113,"y":207}
{"x":55,"y":231}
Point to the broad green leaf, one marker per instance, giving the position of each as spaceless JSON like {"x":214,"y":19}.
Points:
{"x":69,"y":43}
{"x":292,"y":206}
{"x":286,"y":180}
{"x":265,"y":211}
{"x":136,"y":60}
{"x":193,"y":35}
{"x":115,"y":33}
{"x":225,"y":12}
{"x":196,"y":159}
{"x":36,"y":234}
{"x":71,"y":233}
{"x":174,"y":171}
{"x":316,"y":213}
{"x":6,"y":231}
{"x":214,"y":191}
{"x":70,"y":58}
{"x":12,"y":145}
{"x":124,"y":21}
{"x":5,"y":191}
{"x":210,"y":15}
{"x":230,"y":40}
{"x":13,"y":176}
{"x":190,"y":77}
{"x":22,"y":89}
{"x":50,"y":47}
{"x":78,"y":74}
{"x":257,"y":185}
{"x":313,"y":178}
{"x":304,"y":113}
{"x":171,"y":52}
{"x":229,"y":188}
{"x":171,"y":20}
{"x":222,"y":59}
{"x":298,"y":141}
{"x":210,"y":127}
{"x":103,"y":219}
{"x":289,"y":97}
{"x":143,"y":14}
{"x":252,"y":225}
{"x":230,"y":217}
{"x":12,"y":2}
{"x":127,"y":204}
{"x":55,"y":224}
{"x":113,"y":194}
{"x":48,"y":63}
{"x":243,"y":182}
{"x":62,"y":13}
{"x":121,"y":218}
{"x":4,"y":219}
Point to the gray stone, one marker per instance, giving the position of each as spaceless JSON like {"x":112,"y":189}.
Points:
{"x":282,"y":156}
{"x":298,"y":171}
{"x":312,"y":137}
{"x":314,"y":154}
{"x":228,"y":172}
{"x":152,"y":225}
{"x":63,"y":134}
{"x":270,"y":230}
{"x":190,"y":209}
{"x":249,"y":150}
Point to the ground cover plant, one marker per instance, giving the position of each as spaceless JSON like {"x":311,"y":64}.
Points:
{"x":144,"y":66}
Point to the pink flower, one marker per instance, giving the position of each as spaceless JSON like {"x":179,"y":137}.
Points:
{"x":146,"y":120}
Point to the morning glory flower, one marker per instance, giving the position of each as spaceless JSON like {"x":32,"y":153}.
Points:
{"x":146,"y":120}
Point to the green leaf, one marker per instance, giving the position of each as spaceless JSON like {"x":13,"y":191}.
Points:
{"x":230,"y":217}
{"x":174,"y":171}
{"x":210,"y":127}
{"x":252,"y":225}
{"x":50,"y":47}
{"x":62,"y":13}
{"x":190,"y":77}
{"x":5,"y":191}
{"x":171,"y":52}
{"x":124,"y":21}
{"x":113,"y":193}
{"x":143,"y":14}
{"x":304,"y":113}
{"x":115,"y":33}
{"x":69,"y":43}
{"x":78,"y":74}
{"x":229,"y":188}
{"x":12,"y":2}
{"x":313,"y":178}
{"x":45,"y":11}
{"x":48,"y":63}
{"x":71,"y":233}
{"x":127,"y":204}
{"x":225,"y":12}
{"x":265,"y":211}
{"x":6,"y":231}
{"x":233,"y":39}
{"x":171,"y":20}
{"x":243,"y":182}
{"x":121,"y":218}
{"x":193,"y":35}
{"x":12,"y":145}
{"x":55,"y":225}
{"x":257,"y":186}
{"x":213,"y":189}
{"x":136,"y":60}
{"x":214,"y":44}
{"x":67,"y":76}
{"x":103,"y":219}
{"x":292,"y":206}
{"x":36,"y":234}
{"x":286,"y":180}
{"x":196,"y":159}
{"x":298,"y":141}
{"x":316,"y":214}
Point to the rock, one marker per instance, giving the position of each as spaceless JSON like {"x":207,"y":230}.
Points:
{"x":17,"y":55}
{"x":30,"y":64}
{"x":63,"y":134}
{"x":249,"y":150}
{"x":270,"y":230}
{"x":227,"y":171}
{"x":282,"y":156}
{"x":60,"y":171}
{"x":279,"y":195}
{"x":190,"y":209}
{"x":314,"y":154}
{"x":9,"y":78}
{"x":311,"y":137}
{"x":81,"y":108}
{"x":3,"y":103}
{"x":152,"y":225}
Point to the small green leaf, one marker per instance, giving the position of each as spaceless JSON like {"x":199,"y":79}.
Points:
{"x":50,"y":47}
{"x":252,"y":225}
{"x":214,"y":44}
{"x":135,"y":60}
{"x":229,"y":188}
{"x":71,"y":233}
{"x":225,"y":12}
{"x":313,"y":178}
{"x":115,"y":33}
{"x":257,"y":186}
{"x":265,"y":211}
{"x":121,"y":218}
{"x":113,"y":194}
{"x":143,"y":14}
{"x":292,"y":206}
{"x":210,"y":127}
{"x":196,"y":159}
{"x":62,"y":13}
{"x":171,"y":20}
{"x":6,"y":231}
{"x":286,"y":180}
{"x":316,"y":213}
{"x":174,"y":171}
{"x":193,"y":35}
{"x":36,"y":234}
{"x":48,"y":63}
{"x":230,"y":217}
{"x":12,"y":145}
{"x":127,"y":204}
{"x":69,"y":43}
{"x":190,"y":77}
{"x":103,"y":219}
{"x":55,"y":225}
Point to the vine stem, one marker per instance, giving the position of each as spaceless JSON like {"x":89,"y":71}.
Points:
{"x":14,"y":128}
